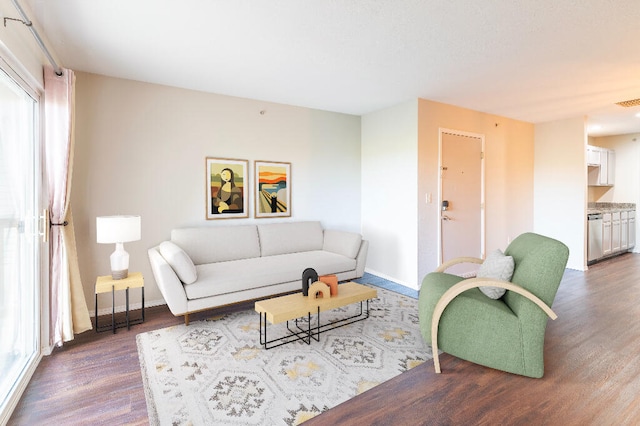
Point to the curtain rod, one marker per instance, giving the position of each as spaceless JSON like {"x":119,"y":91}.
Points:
{"x":26,"y":21}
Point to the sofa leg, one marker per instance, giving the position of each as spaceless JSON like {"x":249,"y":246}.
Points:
{"x":186,"y":319}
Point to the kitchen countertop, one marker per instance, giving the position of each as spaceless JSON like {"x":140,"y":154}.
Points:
{"x":609,"y":207}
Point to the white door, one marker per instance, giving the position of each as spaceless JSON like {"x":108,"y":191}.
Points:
{"x":462,"y":198}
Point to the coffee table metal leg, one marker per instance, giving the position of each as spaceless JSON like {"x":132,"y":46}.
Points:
{"x":318,"y":326}
{"x":321,"y":328}
{"x":264,"y":343}
{"x":310,"y":332}
{"x":293,"y":336}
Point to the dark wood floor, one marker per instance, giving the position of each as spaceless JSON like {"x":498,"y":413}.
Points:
{"x":592,"y":372}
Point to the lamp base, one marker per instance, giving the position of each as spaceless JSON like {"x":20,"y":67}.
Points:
{"x":119,"y":275}
{"x":119,"y":263}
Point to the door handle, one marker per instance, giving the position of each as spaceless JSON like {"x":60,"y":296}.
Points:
{"x":445,"y":217}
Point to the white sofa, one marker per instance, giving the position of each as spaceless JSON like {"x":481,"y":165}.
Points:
{"x":207,"y":267}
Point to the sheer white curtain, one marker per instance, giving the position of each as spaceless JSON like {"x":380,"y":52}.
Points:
{"x":68,"y":313}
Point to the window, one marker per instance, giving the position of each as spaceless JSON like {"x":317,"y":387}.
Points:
{"x":19,"y":241}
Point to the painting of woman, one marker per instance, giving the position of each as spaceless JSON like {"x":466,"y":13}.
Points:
{"x":227,"y":192}
{"x":229,"y":197}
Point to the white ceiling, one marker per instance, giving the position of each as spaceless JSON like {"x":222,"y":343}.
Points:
{"x":532,"y":60}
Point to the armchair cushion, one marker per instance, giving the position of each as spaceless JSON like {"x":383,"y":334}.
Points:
{"x":499,"y":267}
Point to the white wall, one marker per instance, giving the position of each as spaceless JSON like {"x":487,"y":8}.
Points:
{"x":389,"y":188}
{"x":627,"y":171}
{"x":141,"y":148}
{"x":560,"y":185}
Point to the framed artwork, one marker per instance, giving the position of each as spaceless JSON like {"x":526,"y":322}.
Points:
{"x":227,"y":191}
{"x":273,"y":189}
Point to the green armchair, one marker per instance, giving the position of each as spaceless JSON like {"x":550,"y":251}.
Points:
{"x":506,"y":333}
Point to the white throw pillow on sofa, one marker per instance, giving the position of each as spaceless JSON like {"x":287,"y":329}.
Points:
{"x":499,"y":267}
{"x":179,"y":261}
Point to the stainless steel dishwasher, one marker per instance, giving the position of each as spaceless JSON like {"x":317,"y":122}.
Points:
{"x":594,"y":248}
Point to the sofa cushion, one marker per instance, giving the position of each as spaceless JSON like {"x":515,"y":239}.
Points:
{"x":290,"y":237}
{"x":227,"y":277}
{"x":180,"y":262}
{"x":344,"y":243}
{"x":218,"y":243}
{"x":499,"y":267}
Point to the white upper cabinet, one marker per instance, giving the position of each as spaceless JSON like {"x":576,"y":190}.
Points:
{"x":593,"y":156}
{"x":601,"y":164}
{"x":611,"y":166}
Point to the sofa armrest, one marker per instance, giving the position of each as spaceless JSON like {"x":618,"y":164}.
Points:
{"x":361,"y":259}
{"x":168,"y":282}
{"x":342,"y":242}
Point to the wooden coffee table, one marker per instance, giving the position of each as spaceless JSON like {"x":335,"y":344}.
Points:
{"x":297,"y":306}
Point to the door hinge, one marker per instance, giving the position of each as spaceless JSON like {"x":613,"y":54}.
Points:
{"x":481,"y":155}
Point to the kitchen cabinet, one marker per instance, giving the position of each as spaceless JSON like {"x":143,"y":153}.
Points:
{"x":606,"y":234}
{"x":601,"y":166}
{"x":611,"y":167}
{"x":615,"y":232}
{"x":610,"y":232}
{"x":624,"y":230}
{"x":632,"y":229}
{"x":593,"y":156}
{"x":603,"y":173}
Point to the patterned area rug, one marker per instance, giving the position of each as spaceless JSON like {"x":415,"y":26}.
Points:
{"x":216,"y":372}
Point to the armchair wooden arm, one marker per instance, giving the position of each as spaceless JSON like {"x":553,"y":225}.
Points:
{"x":449,"y":263}
{"x":468,"y":284}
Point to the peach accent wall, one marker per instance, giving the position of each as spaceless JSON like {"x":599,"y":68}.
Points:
{"x":508,"y":176}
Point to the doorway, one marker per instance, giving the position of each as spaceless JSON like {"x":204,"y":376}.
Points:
{"x":461,"y":198}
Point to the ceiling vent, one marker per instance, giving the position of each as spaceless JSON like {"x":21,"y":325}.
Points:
{"x":631,"y":103}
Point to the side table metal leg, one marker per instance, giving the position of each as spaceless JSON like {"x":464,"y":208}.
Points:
{"x":127,"y":309}
{"x":113,"y":308}
{"x":142,"y":303}
{"x":96,"y":314}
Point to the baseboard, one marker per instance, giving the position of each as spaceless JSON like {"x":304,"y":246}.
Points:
{"x":132,"y":307}
{"x":393,"y":279}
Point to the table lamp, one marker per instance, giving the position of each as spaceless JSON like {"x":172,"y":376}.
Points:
{"x":118,"y":230}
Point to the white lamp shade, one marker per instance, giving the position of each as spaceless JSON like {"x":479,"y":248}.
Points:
{"x":117,"y":229}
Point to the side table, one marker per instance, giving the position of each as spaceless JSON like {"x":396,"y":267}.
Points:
{"x":105,"y":284}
